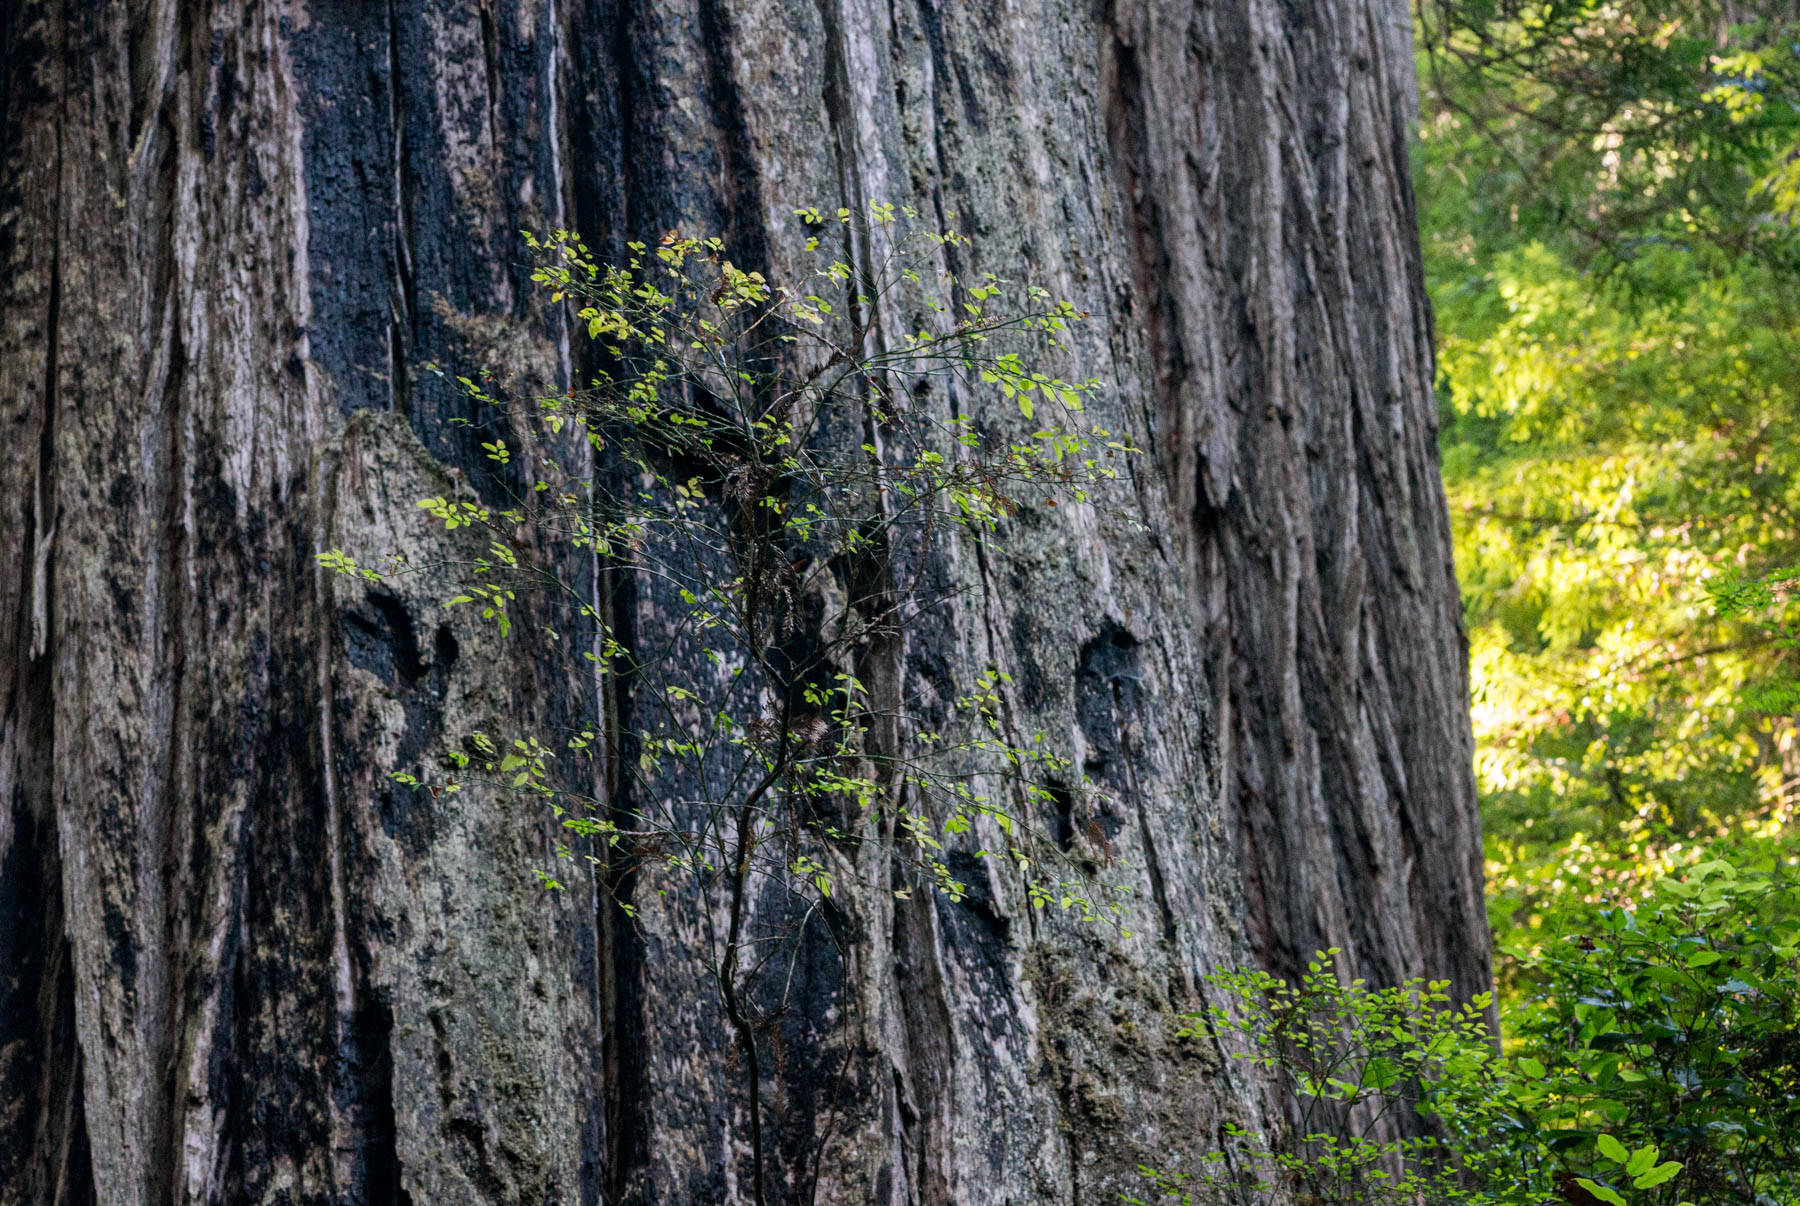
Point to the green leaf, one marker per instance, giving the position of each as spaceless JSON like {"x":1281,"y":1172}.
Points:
{"x":1604,"y":1193}
{"x":1659,"y":1174}
{"x":1531,"y":1067}
{"x":1640,"y":1160}
{"x":1612,"y":1149}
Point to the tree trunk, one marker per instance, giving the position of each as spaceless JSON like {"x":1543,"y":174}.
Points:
{"x":238,"y":965}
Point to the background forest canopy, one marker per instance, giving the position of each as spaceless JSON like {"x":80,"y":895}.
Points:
{"x":1607,"y":196}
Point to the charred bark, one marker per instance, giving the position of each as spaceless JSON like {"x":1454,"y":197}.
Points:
{"x":237,"y":964}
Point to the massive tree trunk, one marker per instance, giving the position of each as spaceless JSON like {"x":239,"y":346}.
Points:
{"x":237,"y":966}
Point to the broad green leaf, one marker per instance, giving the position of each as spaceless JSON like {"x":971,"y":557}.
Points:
{"x":1656,"y":1176}
{"x":1603,"y":1192}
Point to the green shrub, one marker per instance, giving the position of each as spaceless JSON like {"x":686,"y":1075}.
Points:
{"x":1653,"y":1057}
{"x":1671,"y":1023}
{"x":1354,"y":1064}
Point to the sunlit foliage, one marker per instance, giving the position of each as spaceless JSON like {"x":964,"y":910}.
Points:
{"x":1652,"y":1058}
{"x":1614,"y":281}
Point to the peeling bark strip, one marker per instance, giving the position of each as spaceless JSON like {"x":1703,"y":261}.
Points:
{"x":237,"y":966}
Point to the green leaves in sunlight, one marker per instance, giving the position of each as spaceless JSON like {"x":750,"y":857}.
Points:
{"x":1618,"y":305}
{"x":718,"y":542}
{"x":1606,"y":201}
{"x":766,"y":457}
{"x":1650,"y":1057}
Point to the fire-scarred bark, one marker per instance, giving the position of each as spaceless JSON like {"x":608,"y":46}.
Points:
{"x":237,"y":964}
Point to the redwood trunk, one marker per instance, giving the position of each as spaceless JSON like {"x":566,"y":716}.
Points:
{"x":237,"y":965}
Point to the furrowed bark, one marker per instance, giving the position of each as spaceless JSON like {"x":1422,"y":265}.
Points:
{"x":238,"y":964}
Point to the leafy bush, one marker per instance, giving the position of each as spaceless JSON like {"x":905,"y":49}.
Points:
{"x":1671,"y":1024}
{"x":1654,"y":1057}
{"x":1355,"y":1063}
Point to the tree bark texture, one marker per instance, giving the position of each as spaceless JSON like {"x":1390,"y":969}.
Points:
{"x":237,"y":965}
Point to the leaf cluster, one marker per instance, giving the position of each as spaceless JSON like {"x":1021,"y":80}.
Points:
{"x":1653,"y":1059}
{"x":726,"y":535}
{"x":1669,"y":1022}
